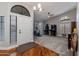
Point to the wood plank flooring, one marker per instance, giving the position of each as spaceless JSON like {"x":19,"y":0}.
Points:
{"x":38,"y":51}
{"x":35,"y":51}
{"x":7,"y":52}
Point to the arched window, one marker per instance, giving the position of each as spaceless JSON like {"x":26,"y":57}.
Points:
{"x":20,"y":10}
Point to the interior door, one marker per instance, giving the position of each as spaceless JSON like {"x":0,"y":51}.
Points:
{"x":24,"y":29}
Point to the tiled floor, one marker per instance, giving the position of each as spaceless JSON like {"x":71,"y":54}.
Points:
{"x":57,"y":44}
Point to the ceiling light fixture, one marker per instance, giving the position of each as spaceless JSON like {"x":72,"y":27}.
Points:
{"x":34,"y":8}
{"x":50,"y":15}
{"x":38,"y":7}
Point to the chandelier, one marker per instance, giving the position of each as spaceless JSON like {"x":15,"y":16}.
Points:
{"x":38,"y":7}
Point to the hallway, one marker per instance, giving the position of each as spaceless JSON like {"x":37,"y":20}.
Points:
{"x":57,"y":44}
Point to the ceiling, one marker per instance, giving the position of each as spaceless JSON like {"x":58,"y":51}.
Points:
{"x":54,"y":8}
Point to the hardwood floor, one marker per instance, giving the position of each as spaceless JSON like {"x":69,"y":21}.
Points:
{"x":34,"y":51}
{"x":38,"y":51}
{"x":7,"y":52}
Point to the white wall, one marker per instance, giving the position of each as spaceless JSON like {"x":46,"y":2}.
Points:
{"x":56,"y":20}
{"x":5,"y":11}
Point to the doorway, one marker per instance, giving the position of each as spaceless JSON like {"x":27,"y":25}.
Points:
{"x":19,"y":27}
